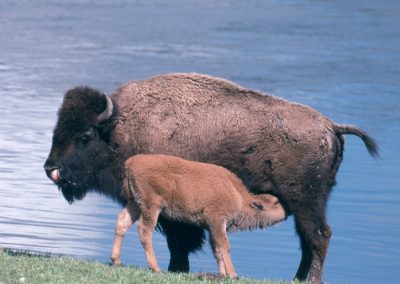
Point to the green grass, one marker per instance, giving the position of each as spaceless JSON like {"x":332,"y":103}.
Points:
{"x":24,"y":267}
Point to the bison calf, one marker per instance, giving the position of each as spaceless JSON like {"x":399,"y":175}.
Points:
{"x":200,"y":194}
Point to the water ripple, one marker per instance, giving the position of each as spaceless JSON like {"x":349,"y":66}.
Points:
{"x":339,"y":57}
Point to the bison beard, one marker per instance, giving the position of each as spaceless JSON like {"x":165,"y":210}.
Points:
{"x":274,"y":146}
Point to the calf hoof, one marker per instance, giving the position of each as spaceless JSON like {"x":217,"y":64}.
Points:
{"x":229,"y":275}
{"x":155,"y":269}
{"x":233,"y":276}
{"x":116,"y":262}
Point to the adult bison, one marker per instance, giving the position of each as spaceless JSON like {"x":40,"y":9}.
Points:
{"x":286,"y":149}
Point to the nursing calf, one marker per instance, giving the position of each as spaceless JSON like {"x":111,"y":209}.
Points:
{"x":204,"y":195}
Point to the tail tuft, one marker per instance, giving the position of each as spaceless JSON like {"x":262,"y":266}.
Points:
{"x":369,"y":142}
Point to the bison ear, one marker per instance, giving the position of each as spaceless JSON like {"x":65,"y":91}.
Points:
{"x":87,"y":101}
{"x":256,"y":205}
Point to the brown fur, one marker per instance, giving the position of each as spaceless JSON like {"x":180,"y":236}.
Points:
{"x":275,"y":146}
{"x":200,"y":194}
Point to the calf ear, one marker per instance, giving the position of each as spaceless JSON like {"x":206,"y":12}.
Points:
{"x":256,"y":205}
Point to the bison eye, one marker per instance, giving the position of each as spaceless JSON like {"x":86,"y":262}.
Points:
{"x":86,"y":136}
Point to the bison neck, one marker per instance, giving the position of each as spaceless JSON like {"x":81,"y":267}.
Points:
{"x":110,"y":184}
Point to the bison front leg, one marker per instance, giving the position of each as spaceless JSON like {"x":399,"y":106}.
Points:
{"x":182,"y":239}
{"x":126,"y":218}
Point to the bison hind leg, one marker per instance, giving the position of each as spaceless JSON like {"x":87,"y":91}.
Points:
{"x":314,"y":233}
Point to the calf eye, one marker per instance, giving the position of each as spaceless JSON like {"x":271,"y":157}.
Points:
{"x":257,"y":205}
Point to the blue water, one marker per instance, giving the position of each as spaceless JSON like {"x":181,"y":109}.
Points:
{"x":341,"y":57}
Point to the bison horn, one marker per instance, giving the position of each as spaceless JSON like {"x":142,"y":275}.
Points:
{"x":106,"y":114}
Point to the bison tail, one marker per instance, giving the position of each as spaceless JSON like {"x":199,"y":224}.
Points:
{"x":369,"y":142}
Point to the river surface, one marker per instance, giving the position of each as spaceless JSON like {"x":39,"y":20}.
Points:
{"x":341,"y":57}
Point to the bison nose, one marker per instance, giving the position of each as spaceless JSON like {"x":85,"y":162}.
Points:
{"x":52,"y":171}
{"x":55,"y":175}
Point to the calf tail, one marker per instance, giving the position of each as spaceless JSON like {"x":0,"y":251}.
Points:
{"x":128,"y":186}
{"x":371,"y":145}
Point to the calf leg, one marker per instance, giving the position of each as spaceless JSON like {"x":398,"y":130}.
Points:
{"x":220,"y":245}
{"x":146,"y":226}
{"x":126,"y":218}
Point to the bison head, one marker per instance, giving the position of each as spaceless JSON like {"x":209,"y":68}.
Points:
{"x":80,"y":154}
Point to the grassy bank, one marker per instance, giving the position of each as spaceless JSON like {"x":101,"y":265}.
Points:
{"x":22,"y":267}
